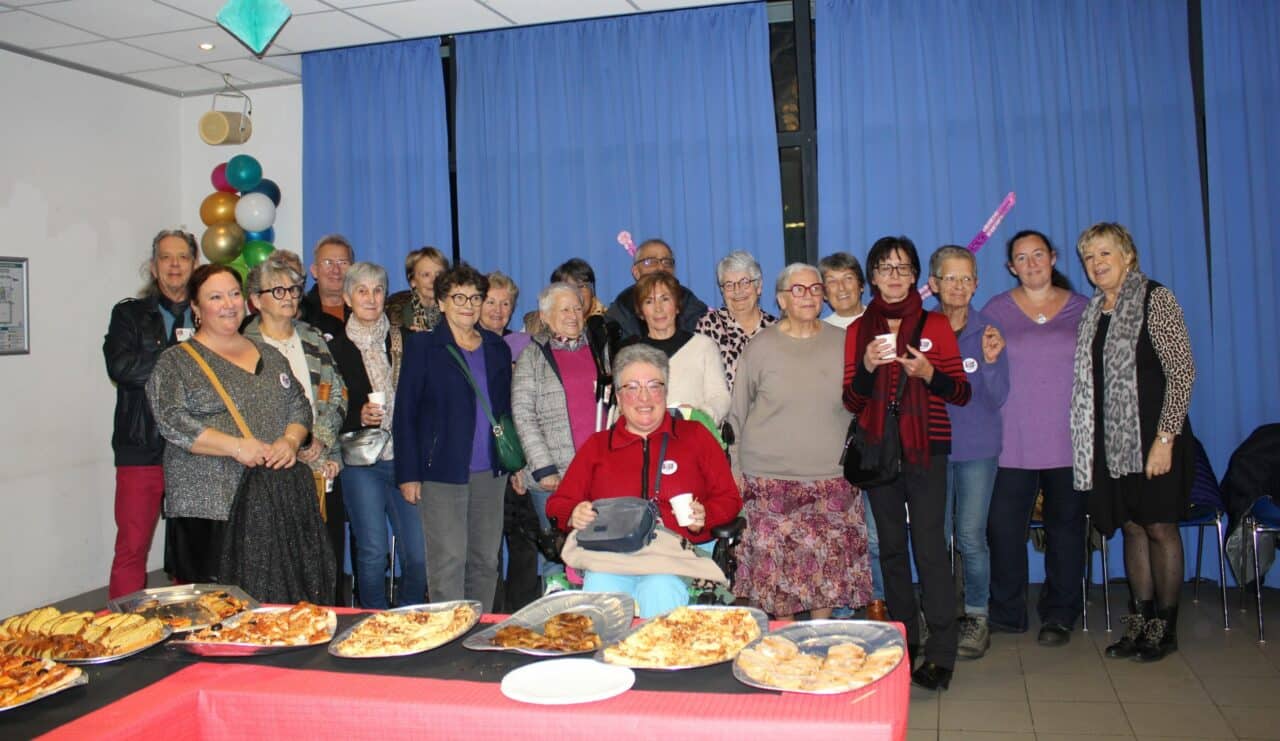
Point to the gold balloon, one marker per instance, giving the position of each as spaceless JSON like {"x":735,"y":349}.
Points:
{"x":222,"y":243}
{"x":218,"y":208}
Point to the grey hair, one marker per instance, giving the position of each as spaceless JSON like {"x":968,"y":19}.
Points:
{"x":950,"y":252}
{"x":274,"y":266}
{"x":364,"y":272}
{"x":639,"y":353}
{"x":781,"y":284}
{"x":739,"y":261}
{"x":335,"y":239}
{"x":180,"y":233}
{"x":546,"y":297}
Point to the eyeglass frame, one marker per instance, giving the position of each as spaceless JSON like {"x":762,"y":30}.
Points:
{"x":743,"y":284}
{"x":278,"y":293}
{"x":462,"y":299}
{"x":964,"y":280}
{"x":329,"y":262}
{"x":817,"y":290}
{"x":632,"y":389}
{"x":667,"y":262}
{"x":902,"y":270}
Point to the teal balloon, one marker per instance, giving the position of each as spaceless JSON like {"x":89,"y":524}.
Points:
{"x":269,"y":189}
{"x":255,"y":252}
{"x":241,"y":268}
{"x":266,"y":235}
{"x":244,"y":173}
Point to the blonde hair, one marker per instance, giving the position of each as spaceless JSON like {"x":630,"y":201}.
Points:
{"x":1120,"y":236}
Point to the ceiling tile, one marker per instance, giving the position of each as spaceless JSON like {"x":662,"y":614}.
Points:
{"x":184,"y":79}
{"x":358,"y":3}
{"x":417,"y":18}
{"x":646,"y":5}
{"x":118,"y":18}
{"x":185,"y":45}
{"x":548,"y":11}
{"x":327,"y":31}
{"x":291,"y":63}
{"x":111,"y":56}
{"x":22,"y":29}
{"x":208,"y":9}
{"x":252,"y":72}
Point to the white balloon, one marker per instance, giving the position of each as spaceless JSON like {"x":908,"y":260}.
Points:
{"x":255,"y":212}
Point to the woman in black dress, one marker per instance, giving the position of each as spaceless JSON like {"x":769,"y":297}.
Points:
{"x":1131,"y":439}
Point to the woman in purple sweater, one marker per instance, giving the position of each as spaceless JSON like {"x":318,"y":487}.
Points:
{"x":975,"y":435}
{"x":1039,"y":318}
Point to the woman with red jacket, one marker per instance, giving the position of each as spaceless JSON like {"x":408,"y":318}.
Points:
{"x":647,"y":453}
{"x":873,"y":365}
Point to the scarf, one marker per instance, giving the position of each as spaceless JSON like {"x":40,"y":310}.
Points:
{"x":570,"y":344}
{"x":913,"y":407}
{"x":371,"y":341}
{"x":425,"y":318}
{"x":1122,"y":438}
{"x":179,"y":316}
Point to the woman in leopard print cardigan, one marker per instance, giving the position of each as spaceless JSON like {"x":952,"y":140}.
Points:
{"x":1131,"y":439}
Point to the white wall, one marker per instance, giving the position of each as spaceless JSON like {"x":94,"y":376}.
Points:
{"x":89,"y":171}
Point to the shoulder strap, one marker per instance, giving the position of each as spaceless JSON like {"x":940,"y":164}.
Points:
{"x":902,"y":375}
{"x":466,"y":371}
{"x":657,"y":477}
{"x":217,"y":386}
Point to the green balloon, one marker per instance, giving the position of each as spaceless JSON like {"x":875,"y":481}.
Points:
{"x":256,"y":252}
{"x":240,"y":267}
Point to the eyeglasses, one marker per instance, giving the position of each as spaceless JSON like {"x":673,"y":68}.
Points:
{"x":279,"y":292}
{"x":813,"y":289}
{"x":733,"y":286}
{"x":462,"y":299}
{"x":632,"y":390}
{"x":903,"y":271}
{"x":963,"y":280}
{"x":666,"y":262}
{"x":329,"y":263}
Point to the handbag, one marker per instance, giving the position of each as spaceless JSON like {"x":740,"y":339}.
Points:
{"x":624,"y":524}
{"x":363,"y":447}
{"x":868,"y":474}
{"x":510,"y":454}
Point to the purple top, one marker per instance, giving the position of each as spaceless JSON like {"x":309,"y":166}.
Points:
{"x":517,"y":341}
{"x":1037,"y":414}
{"x":975,"y":427}
{"x":484,"y":432}
{"x":578,"y":374}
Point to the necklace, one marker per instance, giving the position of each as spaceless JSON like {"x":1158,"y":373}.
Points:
{"x":1041,"y":318}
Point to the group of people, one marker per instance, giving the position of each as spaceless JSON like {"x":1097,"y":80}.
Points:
{"x":261,"y":438}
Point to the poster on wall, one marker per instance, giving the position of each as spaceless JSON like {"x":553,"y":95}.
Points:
{"x":15,"y":338}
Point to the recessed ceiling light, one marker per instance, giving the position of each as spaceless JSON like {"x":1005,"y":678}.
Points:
{"x":206,"y":46}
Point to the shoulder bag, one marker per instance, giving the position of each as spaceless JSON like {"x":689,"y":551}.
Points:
{"x":625,"y":524}
{"x":867,"y":474}
{"x":510,"y":455}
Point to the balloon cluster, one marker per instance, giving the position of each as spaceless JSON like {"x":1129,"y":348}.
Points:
{"x":239,"y":213}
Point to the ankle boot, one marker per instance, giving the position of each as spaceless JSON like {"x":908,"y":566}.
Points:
{"x":1160,"y":637}
{"x":1135,"y":626}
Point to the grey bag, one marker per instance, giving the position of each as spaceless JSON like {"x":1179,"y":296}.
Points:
{"x":362,"y":447}
{"x":625,"y":524}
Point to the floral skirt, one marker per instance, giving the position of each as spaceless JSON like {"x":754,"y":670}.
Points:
{"x":805,"y":546}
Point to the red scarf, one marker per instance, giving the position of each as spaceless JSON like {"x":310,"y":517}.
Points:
{"x":913,"y":407}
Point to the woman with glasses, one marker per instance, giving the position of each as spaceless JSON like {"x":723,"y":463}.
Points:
{"x":1039,"y":318}
{"x":454,"y":377}
{"x":275,"y":290}
{"x":975,"y":435}
{"x":805,"y":546}
{"x":369,"y":355}
{"x":887,"y":371}
{"x":732,"y":326}
{"x":647,"y":453}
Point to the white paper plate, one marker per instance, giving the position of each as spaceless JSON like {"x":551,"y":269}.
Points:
{"x":567,"y":682}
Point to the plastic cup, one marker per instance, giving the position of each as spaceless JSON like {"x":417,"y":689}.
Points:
{"x":378,"y":397}
{"x":682,"y":506}
{"x":892,"y":339}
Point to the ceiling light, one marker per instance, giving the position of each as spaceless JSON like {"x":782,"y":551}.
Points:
{"x":206,"y":46}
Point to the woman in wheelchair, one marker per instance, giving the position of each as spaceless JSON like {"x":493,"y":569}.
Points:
{"x":649,"y":454}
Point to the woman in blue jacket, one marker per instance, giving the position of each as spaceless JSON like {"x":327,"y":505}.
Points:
{"x":446,"y":461}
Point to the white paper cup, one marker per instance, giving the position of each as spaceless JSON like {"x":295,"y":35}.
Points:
{"x":682,"y":506}
{"x":378,"y":397}
{"x":892,"y":339}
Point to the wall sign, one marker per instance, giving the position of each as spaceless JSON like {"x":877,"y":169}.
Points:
{"x":15,"y":335}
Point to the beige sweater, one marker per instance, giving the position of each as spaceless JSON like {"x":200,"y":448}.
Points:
{"x":787,"y":413}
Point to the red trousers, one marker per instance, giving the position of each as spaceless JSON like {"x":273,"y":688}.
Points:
{"x":139,"y":494}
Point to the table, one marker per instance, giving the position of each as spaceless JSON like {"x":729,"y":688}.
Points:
{"x":319,"y":695}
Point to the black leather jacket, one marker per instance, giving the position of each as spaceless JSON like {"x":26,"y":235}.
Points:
{"x":134,"y":340}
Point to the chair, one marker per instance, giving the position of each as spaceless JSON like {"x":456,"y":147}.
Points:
{"x":1037,"y":523}
{"x":1201,"y":517}
{"x":1262,"y":517}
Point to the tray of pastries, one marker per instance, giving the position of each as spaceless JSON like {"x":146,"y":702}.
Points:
{"x":25,"y":680}
{"x":187,"y":607}
{"x":560,"y":624}
{"x":406,"y":630}
{"x":821,"y":657}
{"x":265,"y":630}
{"x":688,"y":638}
{"x":79,"y":637}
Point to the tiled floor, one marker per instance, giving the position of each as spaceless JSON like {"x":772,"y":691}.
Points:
{"x":1219,"y":685}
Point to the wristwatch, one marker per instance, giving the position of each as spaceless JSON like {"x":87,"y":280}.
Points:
{"x":1165,"y":439}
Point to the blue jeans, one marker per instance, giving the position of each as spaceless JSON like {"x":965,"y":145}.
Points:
{"x":654,"y":593}
{"x":873,"y":550}
{"x":373,"y":499}
{"x":969,"y":485}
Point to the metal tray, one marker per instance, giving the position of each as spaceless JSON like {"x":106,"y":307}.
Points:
{"x":476,"y":609}
{"x":611,"y":614}
{"x":116,"y":657}
{"x":215,"y":649}
{"x":816,"y":636}
{"x":80,"y":680}
{"x":180,"y":601}
{"x":761,"y":619}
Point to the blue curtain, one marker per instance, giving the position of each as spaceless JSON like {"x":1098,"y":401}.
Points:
{"x":658,"y":124}
{"x":1242,"y":116}
{"x":375,"y":151}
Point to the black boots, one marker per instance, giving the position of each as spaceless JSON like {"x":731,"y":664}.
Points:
{"x":1160,"y":637}
{"x":1135,"y":626}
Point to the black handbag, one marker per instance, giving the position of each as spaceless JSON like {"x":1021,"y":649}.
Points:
{"x":867,"y":474}
{"x":625,"y":524}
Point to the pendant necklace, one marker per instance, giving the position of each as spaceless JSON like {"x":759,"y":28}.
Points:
{"x":1041,"y":318}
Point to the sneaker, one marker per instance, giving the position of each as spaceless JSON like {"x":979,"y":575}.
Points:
{"x":975,"y":637}
{"x":556,"y":583}
{"x":842,"y":613}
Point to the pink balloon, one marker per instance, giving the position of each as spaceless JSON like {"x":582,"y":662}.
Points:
{"x":219,"y":179}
